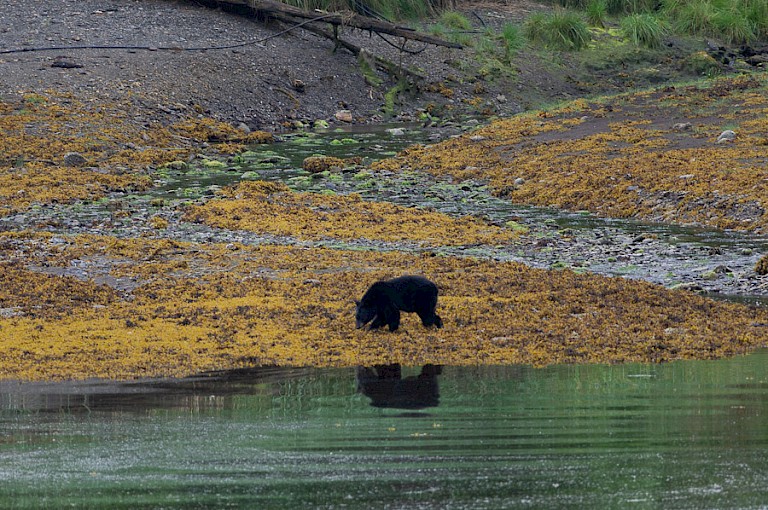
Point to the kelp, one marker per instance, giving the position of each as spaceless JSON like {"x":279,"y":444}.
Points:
{"x":206,"y":307}
{"x":272,"y":208}
{"x":627,"y":156}
{"x":96,"y":306}
{"x":117,"y":151}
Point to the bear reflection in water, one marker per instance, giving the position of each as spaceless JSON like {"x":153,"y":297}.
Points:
{"x":386,"y":387}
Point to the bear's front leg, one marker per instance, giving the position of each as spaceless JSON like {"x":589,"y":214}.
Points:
{"x":378,"y":321}
{"x":393,"y":319}
{"x":431,"y":319}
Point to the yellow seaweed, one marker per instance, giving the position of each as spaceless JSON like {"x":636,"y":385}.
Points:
{"x":40,"y":130}
{"x":234,"y":306}
{"x":272,"y":208}
{"x":626,"y":167}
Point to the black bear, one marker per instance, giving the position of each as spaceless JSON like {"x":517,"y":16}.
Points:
{"x":383,"y":301}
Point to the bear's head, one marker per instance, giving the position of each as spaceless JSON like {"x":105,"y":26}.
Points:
{"x":364,"y":314}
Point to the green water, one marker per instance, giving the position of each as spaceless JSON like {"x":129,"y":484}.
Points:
{"x":680,"y":435}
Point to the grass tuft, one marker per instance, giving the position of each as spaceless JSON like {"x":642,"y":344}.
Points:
{"x":513,"y":40}
{"x":733,"y":27}
{"x":643,"y":30}
{"x":563,"y":30}
{"x":455,"y":21}
{"x":597,"y":12}
{"x":692,"y":17}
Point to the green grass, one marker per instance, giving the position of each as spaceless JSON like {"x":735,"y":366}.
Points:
{"x":597,"y":13}
{"x":453,"y":26}
{"x":643,"y":30}
{"x":756,"y":12}
{"x":561,"y":29}
{"x":729,"y":21}
{"x":693,"y":18}
{"x":613,"y":7}
{"x":733,"y":27}
{"x":455,"y":20}
{"x":512,"y":39}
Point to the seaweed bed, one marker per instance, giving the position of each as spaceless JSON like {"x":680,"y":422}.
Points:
{"x":651,"y":155}
{"x":80,"y":306}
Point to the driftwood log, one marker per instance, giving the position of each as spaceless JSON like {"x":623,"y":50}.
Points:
{"x":313,"y":21}
{"x":380,"y":62}
{"x":282,"y":11}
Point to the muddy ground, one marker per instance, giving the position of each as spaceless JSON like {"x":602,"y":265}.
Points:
{"x":255,"y":83}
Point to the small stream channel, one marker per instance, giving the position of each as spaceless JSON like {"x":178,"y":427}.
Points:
{"x":707,"y":260}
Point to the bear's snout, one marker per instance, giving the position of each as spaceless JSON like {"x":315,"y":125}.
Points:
{"x":361,"y":324}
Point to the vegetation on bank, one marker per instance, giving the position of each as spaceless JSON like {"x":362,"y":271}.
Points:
{"x":114,"y":152}
{"x":604,"y":45}
{"x":272,"y":208}
{"x":655,"y":155}
{"x":183,"y":308}
{"x":197,"y":307}
{"x":730,"y":21}
{"x":568,"y":26}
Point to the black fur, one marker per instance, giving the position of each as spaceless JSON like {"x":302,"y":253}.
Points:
{"x":383,"y":301}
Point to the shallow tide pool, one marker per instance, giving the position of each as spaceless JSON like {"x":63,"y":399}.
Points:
{"x":678,"y":435}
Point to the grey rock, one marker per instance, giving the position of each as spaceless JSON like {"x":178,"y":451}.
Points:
{"x":344,"y":116}
{"x":74,"y":159}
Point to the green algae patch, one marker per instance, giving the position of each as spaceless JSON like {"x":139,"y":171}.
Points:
{"x":272,"y":208}
{"x":206,"y":307}
{"x":653,"y":155}
{"x":113,"y":150}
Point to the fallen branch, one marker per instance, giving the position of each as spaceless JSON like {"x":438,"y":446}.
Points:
{"x":383,"y":64}
{"x":274,"y":8}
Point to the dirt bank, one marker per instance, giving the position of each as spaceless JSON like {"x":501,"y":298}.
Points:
{"x":253,"y":83}
{"x":270,"y":79}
